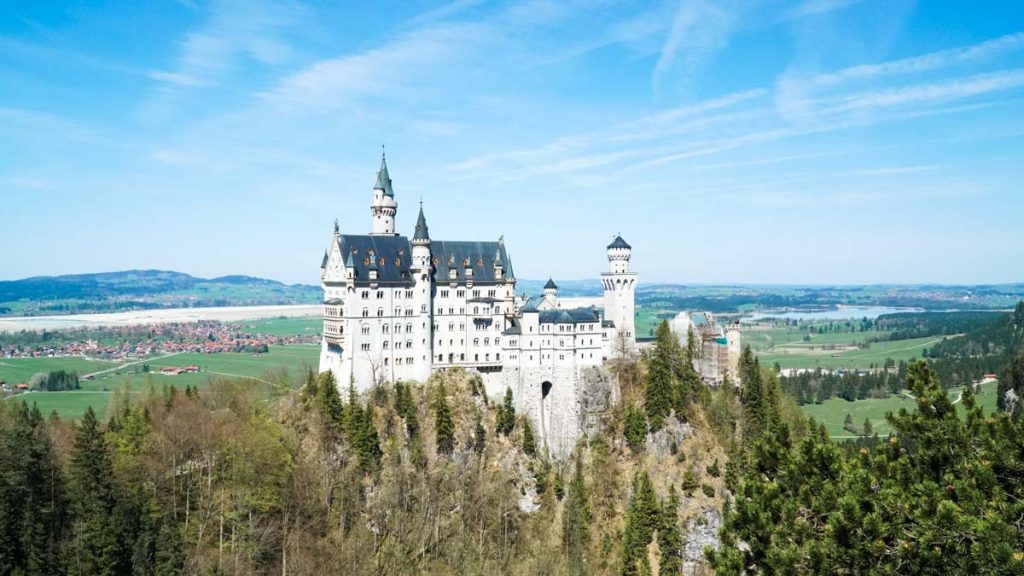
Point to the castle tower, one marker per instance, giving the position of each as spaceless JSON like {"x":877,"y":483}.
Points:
{"x":619,"y":289}
{"x":383,"y":207}
{"x":422,"y":296}
{"x":551,"y":294}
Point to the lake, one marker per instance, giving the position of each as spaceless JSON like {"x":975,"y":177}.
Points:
{"x":840,"y":313}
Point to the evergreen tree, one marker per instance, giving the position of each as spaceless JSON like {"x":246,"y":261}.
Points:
{"x":95,"y":545}
{"x":444,"y":427}
{"x":479,"y":435}
{"x":368,"y":441}
{"x":1012,"y":379}
{"x":329,"y":401}
{"x":642,"y":520}
{"x":529,"y":442}
{"x":405,"y":406}
{"x":506,"y":418}
{"x":670,"y":540}
{"x":635,"y":428}
{"x":660,"y":381}
{"x":576,"y":521}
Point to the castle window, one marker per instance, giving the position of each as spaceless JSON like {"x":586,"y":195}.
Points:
{"x":476,"y":341}
{"x":462,"y":325}
{"x":487,"y":341}
{"x":386,"y":361}
{"x":380,"y":312}
{"x":476,"y":309}
{"x":462,"y":357}
{"x":408,"y":328}
{"x":365,"y":346}
{"x":366,"y":313}
{"x":497,"y":309}
{"x":451,"y":326}
{"x":398,"y":311}
{"x":497,"y":357}
{"x":365,"y":294}
{"x":380,"y":294}
{"x":386,"y":327}
{"x":385,"y":344}
{"x":408,"y":344}
{"x":476,"y":357}
{"x":408,"y":293}
{"x":398,"y":328}
{"x":451,"y":311}
{"x":366,"y":328}
{"x":423,"y":308}
{"x":487,"y":357}
{"x":476,"y":293}
{"x":444,"y":293}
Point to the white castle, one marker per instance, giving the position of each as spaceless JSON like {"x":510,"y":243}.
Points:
{"x":400,"y":309}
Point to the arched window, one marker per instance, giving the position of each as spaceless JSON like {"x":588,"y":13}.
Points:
{"x":386,"y":344}
{"x":380,"y":312}
{"x":476,"y":341}
{"x":366,"y":312}
{"x":366,"y":328}
{"x":386,"y":327}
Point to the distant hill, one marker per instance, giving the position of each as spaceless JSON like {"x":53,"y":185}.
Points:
{"x":142,"y":289}
{"x":987,"y":349}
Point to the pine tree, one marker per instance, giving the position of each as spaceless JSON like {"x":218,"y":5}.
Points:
{"x":670,"y":540}
{"x":576,"y":521}
{"x":405,"y":406}
{"x":444,"y":427}
{"x":635,"y":428}
{"x":660,"y":381}
{"x":368,"y":441}
{"x":479,"y":435}
{"x":95,"y":544}
{"x":642,"y":519}
{"x":506,"y":417}
{"x":329,"y":400}
{"x":529,"y":442}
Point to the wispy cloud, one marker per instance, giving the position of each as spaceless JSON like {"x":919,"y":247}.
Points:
{"x":233,"y":30}
{"x":699,"y":29}
{"x":332,"y":83}
{"x":932,"y":61}
{"x":816,"y":7}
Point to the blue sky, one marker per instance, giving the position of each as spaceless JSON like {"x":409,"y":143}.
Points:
{"x":820,"y":141}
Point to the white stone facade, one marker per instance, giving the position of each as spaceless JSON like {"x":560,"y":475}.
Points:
{"x":399,"y":309}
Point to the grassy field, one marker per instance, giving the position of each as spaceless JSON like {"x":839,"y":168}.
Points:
{"x":16,"y":370}
{"x":833,"y":412}
{"x":286,"y":326}
{"x":799,"y":355}
{"x":282,"y":363}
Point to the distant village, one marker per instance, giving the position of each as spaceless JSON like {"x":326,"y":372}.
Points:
{"x":135,"y":342}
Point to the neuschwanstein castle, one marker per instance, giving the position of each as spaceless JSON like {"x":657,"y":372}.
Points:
{"x":397,"y":308}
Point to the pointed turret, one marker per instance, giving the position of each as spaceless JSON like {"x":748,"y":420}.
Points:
{"x":383,"y":179}
{"x":422,"y":233}
{"x":383,"y":207}
{"x":550,"y":285}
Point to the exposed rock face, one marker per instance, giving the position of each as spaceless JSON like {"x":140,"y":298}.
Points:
{"x":599,"y":393}
{"x":700,"y":532}
{"x":672,"y":432}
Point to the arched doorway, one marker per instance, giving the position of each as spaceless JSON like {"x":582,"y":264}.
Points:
{"x":545,"y":411}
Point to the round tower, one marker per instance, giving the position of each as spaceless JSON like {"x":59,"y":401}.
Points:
{"x":383,"y":207}
{"x":619,"y":291}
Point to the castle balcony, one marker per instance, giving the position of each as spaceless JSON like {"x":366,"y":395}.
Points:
{"x":335,"y":339}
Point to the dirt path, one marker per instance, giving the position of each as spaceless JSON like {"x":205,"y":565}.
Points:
{"x":119,"y":366}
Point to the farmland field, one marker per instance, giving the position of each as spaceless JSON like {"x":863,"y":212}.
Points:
{"x":282,"y":326}
{"x":833,"y":412}
{"x":15,"y":370}
{"x":802,"y":357}
{"x":281,"y":366}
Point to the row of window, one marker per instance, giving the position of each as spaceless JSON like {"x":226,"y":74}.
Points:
{"x":398,"y":361}
{"x":461,"y":293}
{"x":398,"y":312}
{"x":365,"y":295}
{"x":462,"y":358}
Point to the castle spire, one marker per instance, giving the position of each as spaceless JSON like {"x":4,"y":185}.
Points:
{"x":383,"y":179}
{"x":422,"y":233}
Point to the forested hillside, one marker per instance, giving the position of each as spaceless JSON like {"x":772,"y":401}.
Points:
{"x":142,"y":289}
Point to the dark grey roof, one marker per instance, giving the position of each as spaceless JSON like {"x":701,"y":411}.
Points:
{"x":550,"y":285}
{"x":383,"y":180}
{"x":619,"y":243}
{"x":608,"y":324}
{"x":422,"y":232}
{"x":570,"y":316}
{"x":530,"y":305}
{"x":324,"y":263}
{"x":480,"y":256}
{"x":334,"y":301}
{"x":512,"y":331}
{"x":391,"y":257}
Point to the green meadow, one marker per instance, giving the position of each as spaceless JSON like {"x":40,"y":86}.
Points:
{"x":833,"y":412}
{"x":281,"y":366}
{"x":283,"y":326}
